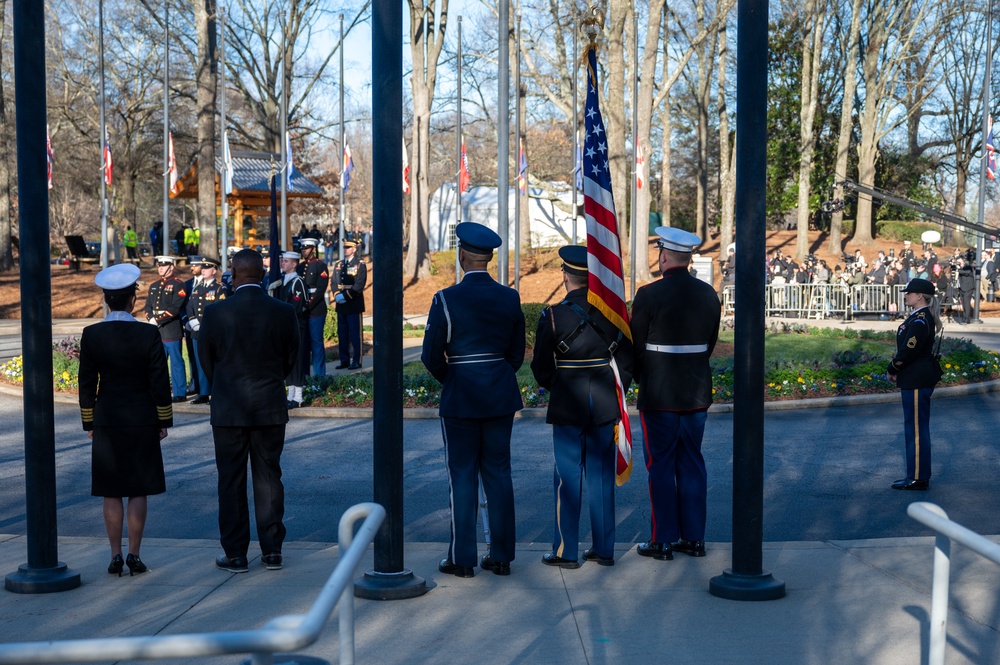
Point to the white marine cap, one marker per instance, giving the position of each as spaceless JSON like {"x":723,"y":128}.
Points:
{"x":291,"y":255}
{"x":677,"y":240}
{"x":118,"y":277}
{"x":309,"y":242}
{"x":164,"y":259}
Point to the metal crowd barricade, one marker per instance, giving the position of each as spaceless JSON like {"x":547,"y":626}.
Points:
{"x":934,"y":516}
{"x":819,"y":301}
{"x":285,"y":634}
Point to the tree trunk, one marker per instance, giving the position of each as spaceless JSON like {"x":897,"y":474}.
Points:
{"x":6,"y":248}
{"x":613,"y":110}
{"x":205,"y":14}
{"x":846,"y":123}
{"x":812,"y":58}
{"x":704,"y":85}
{"x":727,"y":153}
{"x":668,"y":126}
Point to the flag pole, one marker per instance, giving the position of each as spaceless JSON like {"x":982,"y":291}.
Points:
{"x":458,"y":152}
{"x":226,"y":175}
{"x":635,"y":149}
{"x":103,"y":142}
{"x":520,"y":152}
{"x":503,"y":141}
{"x":284,"y":140}
{"x":575,"y":71}
{"x":340,"y":234}
{"x":166,"y":131}
{"x":982,"y":170}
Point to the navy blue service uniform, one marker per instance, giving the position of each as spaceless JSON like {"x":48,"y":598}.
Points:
{"x":914,"y":371}
{"x":675,"y":325}
{"x":474,"y":345}
{"x":292,"y":290}
{"x":203,"y":294}
{"x":351,"y":276}
{"x":572,"y":360}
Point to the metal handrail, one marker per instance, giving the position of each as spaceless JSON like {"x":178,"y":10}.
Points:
{"x":934,"y":516}
{"x":285,"y":633}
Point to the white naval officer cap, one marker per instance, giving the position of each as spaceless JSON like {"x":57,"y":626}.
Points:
{"x":118,"y":277}
{"x":291,"y":255}
{"x":677,"y":240}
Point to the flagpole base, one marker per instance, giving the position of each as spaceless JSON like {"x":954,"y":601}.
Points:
{"x":732,"y":586}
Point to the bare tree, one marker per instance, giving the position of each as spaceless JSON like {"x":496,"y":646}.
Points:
{"x":813,"y":32}
{"x":6,"y":247}
{"x":727,"y":149}
{"x":849,"y":46}
{"x":205,"y":76}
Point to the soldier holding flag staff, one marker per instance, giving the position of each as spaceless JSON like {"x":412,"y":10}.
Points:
{"x":164,"y":304}
{"x":316,"y":276}
{"x":350,"y":278}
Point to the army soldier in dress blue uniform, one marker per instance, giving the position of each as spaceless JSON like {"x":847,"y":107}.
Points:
{"x":913,"y":370}
{"x":207,"y":291}
{"x":316,"y":276}
{"x":164,"y":305}
{"x":292,"y":290}
{"x":193,"y":387}
{"x":351,"y":276}
{"x":574,"y":345}
{"x":474,"y":345}
{"x":675,"y":325}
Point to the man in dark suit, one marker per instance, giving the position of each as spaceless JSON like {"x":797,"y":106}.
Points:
{"x":474,"y":345}
{"x":578,"y":354}
{"x":675,"y":325}
{"x":247,"y":346}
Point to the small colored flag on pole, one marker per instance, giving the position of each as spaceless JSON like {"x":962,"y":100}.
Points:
{"x":345,"y":173}
{"x":640,"y":176}
{"x":48,"y":154}
{"x":464,"y":179}
{"x":289,"y":165}
{"x":108,"y":163}
{"x":171,"y":163}
{"x":578,"y":169}
{"x":991,"y":157}
{"x":522,"y":172}
{"x":227,"y":165}
{"x":275,"y":241}
{"x":406,"y":170}
{"x":606,"y":281}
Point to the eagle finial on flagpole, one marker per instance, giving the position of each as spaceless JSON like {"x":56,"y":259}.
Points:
{"x":593,"y":23}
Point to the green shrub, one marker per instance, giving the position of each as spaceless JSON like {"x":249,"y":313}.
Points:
{"x":532,"y":312}
{"x":900,"y":231}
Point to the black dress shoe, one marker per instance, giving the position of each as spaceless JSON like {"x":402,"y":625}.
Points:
{"x":179,"y":399}
{"x":342,"y":366}
{"x":116,"y":565}
{"x":448,"y":568}
{"x":496,"y":567}
{"x":551,"y":559}
{"x":354,"y":366}
{"x":237,"y":564}
{"x":659,"y":551}
{"x":591,"y":555}
{"x":689,"y":547}
{"x":292,"y":404}
{"x":135,"y":565}
{"x":272,"y":561}
{"x":910,"y":484}
{"x":200,"y":399}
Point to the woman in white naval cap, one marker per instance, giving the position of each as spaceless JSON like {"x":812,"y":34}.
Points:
{"x":125,"y":404}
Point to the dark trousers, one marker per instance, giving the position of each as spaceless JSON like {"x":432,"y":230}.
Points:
{"x":194,"y":385}
{"x":262,"y":445}
{"x":317,"y":345}
{"x":474,"y":448}
{"x":584,"y":451}
{"x":200,"y":380}
{"x":917,"y":432}
{"x":300,"y":370}
{"x":348,"y":336}
{"x":678,"y":481}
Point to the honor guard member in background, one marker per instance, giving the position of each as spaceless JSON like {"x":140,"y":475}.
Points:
{"x":574,"y":346}
{"x":316,"y":276}
{"x":164,"y":305}
{"x":474,"y":345}
{"x":292,"y":290}
{"x":207,"y":291}
{"x":351,"y":276}
{"x":193,"y":387}
{"x":675,"y":325}
{"x":913,"y":369}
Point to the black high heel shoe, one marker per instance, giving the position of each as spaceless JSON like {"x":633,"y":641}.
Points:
{"x":116,"y":565}
{"x":135,"y":565}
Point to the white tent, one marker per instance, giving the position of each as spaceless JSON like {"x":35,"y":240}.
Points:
{"x":549,"y":207}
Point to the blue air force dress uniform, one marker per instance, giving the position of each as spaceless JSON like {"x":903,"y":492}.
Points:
{"x":203,"y":293}
{"x":675,"y":325}
{"x":474,"y":344}
{"x":164,"y":306}
{"x":914,"y":369}
{"x":574,"y":344}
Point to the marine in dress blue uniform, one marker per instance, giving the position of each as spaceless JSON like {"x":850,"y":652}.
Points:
{"x":574,"y":344}
{"x":164,"y":305}
{"x":675,"y":325}
{"x":351,"y":276}
{"x":206,"y":290}
{"x":474,"y":345}
{"x":193,"y":386}
{"x":913,"y":370}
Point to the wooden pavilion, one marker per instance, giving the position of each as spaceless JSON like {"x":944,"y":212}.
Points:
{"x":251,"y":195}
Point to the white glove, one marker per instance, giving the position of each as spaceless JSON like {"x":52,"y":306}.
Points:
{"x":194,"y":324}
{"x":341,"y":300}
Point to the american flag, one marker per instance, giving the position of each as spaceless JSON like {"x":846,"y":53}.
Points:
{"x":604,"y":253}
{"x":464,"y":179}
{"x":49,"y":155}
{"x":345,"y":173}
{"x":991,"y":156}
{"x":108,"y":163}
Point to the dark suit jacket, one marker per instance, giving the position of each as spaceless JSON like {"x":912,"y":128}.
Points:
{"x":247,"y":346}
{"x":123,"y":376}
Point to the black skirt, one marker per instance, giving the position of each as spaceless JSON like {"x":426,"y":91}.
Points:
{"x":127,"y":461}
